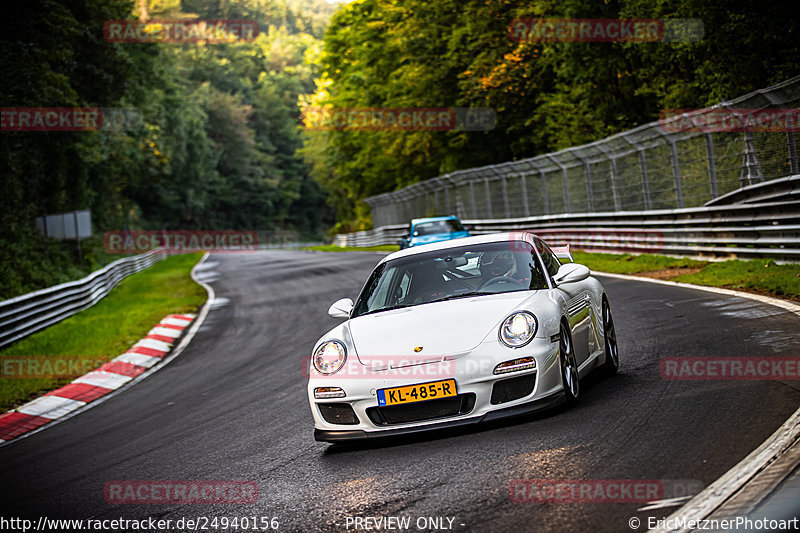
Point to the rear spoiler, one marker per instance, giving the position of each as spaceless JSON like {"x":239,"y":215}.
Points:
{"x":563,"y":252}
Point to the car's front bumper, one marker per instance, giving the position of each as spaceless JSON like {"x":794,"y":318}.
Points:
{"x":343,"y":435}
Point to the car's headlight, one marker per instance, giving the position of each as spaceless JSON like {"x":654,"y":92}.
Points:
{"x":518,"y":329}
{"x":330,"y":357}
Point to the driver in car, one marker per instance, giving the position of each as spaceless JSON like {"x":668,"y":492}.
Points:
{"x":497,"y":264}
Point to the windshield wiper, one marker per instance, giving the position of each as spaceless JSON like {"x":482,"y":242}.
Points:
{"x":462,"y":295}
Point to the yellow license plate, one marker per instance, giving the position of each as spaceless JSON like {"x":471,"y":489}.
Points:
{"x":417,"y":393}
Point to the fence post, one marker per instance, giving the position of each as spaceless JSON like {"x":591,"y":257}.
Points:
{"x":614,"y":190}
{"x":676,"y":173}
{"x":526,"y":209}
{"x":472,"y":196}
{"x":587,"y":172}
{"x":546,"y":197}
{"x":564,"y":180}
{"x":504,"y":189}
{"x":712,"y":168}
{"x":794,"y":164}
{"x":643,"y":167}
{"x":645,"y":183}
{"x":488,"y":197}
{"x":751,"y":167}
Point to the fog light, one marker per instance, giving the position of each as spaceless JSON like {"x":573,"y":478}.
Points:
{"x":322,"y":393}
{"x":523,"y":363}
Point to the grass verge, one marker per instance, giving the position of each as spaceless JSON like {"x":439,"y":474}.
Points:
{"x":332,"y":248}
{"x":762,"y":276}
{"x":110,"y":327}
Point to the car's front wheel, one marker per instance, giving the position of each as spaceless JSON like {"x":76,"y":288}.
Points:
{"x":569,"y":367}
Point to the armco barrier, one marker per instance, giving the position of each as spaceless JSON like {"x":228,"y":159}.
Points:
{"x":755,"y":229}
{"x":26,"y":314}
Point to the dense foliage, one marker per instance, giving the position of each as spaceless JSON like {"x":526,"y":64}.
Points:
{"x":216,"y":146}
{"x":548,"y":96}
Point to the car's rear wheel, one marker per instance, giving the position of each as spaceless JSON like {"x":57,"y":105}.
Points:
{"x":569,"y":366}
{"x":611,"y":364}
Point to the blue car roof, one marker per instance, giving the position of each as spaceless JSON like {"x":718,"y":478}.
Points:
{"x":433,"y":219}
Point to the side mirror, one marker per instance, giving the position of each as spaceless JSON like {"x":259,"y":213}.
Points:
{"x":570,"y":273}
{"x":342,"y":308}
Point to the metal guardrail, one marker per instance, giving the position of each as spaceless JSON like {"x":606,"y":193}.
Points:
{"x":649,"y":167}
{"x":29,"y":313}
{"x":765,"y":222}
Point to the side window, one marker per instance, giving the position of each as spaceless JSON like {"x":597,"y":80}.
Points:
{"x":551,"y":262}
{"x":380,"y":295}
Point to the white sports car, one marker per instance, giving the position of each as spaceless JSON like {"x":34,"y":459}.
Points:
{"x":459,"y":332}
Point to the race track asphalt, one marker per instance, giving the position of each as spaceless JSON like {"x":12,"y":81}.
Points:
{"x":233,"y":406}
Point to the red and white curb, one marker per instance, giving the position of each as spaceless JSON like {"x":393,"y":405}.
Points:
{"x":101,"y":381}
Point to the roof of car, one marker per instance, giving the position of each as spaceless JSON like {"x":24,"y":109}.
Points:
{"x":433,"y":219}
{"x":465,"y":241}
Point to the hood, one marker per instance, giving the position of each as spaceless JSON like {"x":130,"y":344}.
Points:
{"x":449,"y":329}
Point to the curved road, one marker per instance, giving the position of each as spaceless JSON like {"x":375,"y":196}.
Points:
{"x":233,"y":407}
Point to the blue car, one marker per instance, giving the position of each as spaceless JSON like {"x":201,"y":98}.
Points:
{"x":435,"y":229}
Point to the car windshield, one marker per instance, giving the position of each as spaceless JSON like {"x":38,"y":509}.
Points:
{"x":458,"y":272}
{"x":437,"y":226}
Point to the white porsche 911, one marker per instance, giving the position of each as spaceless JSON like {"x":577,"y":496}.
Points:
{"x":460,"y":332}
